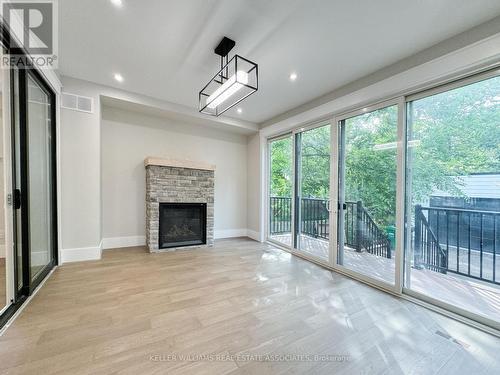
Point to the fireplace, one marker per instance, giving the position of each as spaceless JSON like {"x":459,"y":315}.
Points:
{"x":182,"y":224}
{"x":184,"y":190}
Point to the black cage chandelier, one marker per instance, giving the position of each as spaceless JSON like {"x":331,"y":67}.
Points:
{"x":237,"y":79}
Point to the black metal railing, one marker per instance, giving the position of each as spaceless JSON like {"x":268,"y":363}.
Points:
{"x":455,"y":240}
{"x":428,"y":252}
{"x":445,"y":240}
{"x":314,"y":217}
{"x":361,"y":231}
{"x":280,"y":212}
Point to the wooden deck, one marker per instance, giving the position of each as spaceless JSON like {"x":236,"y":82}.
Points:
{"x":257,"y":307}
{"x":476,"y":296}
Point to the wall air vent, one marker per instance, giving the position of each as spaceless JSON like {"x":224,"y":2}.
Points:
{"x":77,"y":102}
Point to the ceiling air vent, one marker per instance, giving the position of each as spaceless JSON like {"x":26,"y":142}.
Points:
{"x":77,"y":102}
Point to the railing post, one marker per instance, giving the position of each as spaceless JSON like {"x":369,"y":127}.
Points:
{"x":417,"y":249}
{"x":359,"y":224}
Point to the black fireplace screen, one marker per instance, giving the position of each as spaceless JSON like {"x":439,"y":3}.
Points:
{"x":182,"y":224}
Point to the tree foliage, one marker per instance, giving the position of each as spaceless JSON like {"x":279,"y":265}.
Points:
{"x":458,"y":133}
{"x":281,"y":158}
{"x":454,"y":133}
{"x":370,"y":162}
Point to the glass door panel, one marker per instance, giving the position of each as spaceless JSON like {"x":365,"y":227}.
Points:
{"x":31,"y":194}
{"x":312,"y":192}
{"x":16,"y":180}
{"x":39,"y":135}
{"x":3,"y":263}
{"x":280,"y":190}
{"x":367,"y":193}
{"x":452,"y":252}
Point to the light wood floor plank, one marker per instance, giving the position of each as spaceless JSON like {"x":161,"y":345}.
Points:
{"x":133,"y":313}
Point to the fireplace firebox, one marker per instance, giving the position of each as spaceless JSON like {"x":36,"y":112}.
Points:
{"x":182,"y":224}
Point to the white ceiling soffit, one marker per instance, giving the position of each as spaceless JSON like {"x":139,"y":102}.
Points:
{"x":178,"y":116}
{"x":164,"y":48}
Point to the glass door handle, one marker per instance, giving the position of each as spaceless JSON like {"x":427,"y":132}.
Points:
{"x":17,"y":199}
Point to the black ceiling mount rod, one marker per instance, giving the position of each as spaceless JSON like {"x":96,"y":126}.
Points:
{"x":223,"y":49}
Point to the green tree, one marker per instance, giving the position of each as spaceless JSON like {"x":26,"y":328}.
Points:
{"x":370,"y":162}
{"x":454,"y":133}
{"x":315,"y":163}
{"x":281,"y":167}
{"x":457,"y":133}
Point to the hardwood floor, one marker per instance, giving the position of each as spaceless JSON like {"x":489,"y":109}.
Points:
{"x":479,"y":297}
{"x":137,"y":313}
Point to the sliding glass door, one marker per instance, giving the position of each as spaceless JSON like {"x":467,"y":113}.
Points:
{"x":453,"y":196}
{"x":415,"y":192}
{"x":39,"y":139}
{"x":312,"y":192}
{"x":34,"y":195}
{"x":280,"y":190}
{"x":367,"y":177}
{"x":29,"y":162}
{"x":299,"y":191}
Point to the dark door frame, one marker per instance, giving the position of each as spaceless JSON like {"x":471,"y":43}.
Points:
{"x":25,"y":188}
{"x":29,"y":286}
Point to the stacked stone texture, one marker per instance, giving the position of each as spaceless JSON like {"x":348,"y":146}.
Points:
{"x":176,"y":185}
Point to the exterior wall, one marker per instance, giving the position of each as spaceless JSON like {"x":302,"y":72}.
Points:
{"x":176,"y":185}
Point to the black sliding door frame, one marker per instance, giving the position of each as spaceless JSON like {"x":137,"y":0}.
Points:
{"x":23,"y":285}
{"x":25,"y":188}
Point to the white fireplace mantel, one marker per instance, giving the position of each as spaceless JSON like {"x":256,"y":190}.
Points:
{"x":163,"y":162}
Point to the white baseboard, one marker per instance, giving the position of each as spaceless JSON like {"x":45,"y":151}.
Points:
{"x":81,"y":254}
{"x":229,"y":233}
{"x":128,"y":241}
{"x":117,"y":242}
{"x":253,"y":235}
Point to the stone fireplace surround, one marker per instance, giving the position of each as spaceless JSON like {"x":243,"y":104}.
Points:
{"x":177,"y":181}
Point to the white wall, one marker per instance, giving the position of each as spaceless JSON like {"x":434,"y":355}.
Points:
{"x":80,"y":178}
{"x":253,"y":196}
{"x":128,"y":137}
{"x":82,"y":198}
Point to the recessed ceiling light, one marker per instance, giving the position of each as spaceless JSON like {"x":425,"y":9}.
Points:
{"x":365,"y":109}
{"x":293,"y":76}
{"x":118,"y":77}
{"x":117,"y":3}
{"x":239,"y":110}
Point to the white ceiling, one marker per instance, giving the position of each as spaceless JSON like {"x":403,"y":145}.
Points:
{"x":164,"y":48}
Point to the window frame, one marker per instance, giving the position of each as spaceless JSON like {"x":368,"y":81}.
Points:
{"x":456,"y":312}
{"x":396,"y":288}
{"x":402,"y":98}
